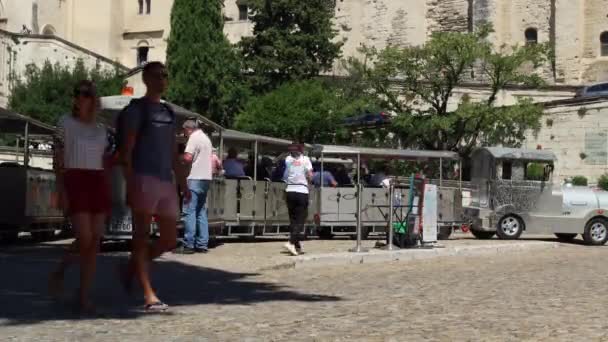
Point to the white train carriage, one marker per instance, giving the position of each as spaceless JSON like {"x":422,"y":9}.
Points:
{"x":336,"y":208}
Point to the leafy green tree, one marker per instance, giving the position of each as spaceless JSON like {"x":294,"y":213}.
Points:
{"x":307,"y":111}
{"x":418,"y":83}
{"x":45,"y":93}
{"x":292,"y":40}
{"x":204,"y":68}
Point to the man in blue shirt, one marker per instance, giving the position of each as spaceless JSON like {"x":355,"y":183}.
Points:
{"x":326,"y":177}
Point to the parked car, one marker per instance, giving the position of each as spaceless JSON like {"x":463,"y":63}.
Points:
{"x":598,"y":89}
{"x":368,"y":119}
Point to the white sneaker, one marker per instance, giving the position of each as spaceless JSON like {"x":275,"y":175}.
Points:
{"x":291,"y":249}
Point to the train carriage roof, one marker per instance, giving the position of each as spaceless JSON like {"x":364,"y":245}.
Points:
{"x":386,"y":153}
{"x":517,"y":154}
{"x":14,"y":123}
{"x":112,"y":105}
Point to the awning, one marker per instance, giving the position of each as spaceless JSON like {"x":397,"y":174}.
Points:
{"x":14,"y":123}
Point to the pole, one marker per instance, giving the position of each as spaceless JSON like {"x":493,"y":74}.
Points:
{"x":440,"y":171}
{"x":359,"y":194}
{"x":221,"y":149}
{"x":391,"y":195}
{"x":460,"y":175}
{"x":255,"y":161}
{"x":17,"y":149}
{"x":26,"y":153}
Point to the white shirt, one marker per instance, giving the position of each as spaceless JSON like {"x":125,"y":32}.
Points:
{"x":199,"y":146}
{"x":296,"y":170}
{"x":83,"y":143}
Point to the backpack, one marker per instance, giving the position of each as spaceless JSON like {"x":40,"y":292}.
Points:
{"x":120,"y":123}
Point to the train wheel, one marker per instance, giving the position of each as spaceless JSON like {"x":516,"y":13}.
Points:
{"x":596,"y":232}
{"x":482,"y":234}
{"x":565,"y":236}
{"x":509,"y":227}
{"x":444,"y":233}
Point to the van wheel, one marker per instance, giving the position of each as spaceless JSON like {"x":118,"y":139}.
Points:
{"x":596,"y":232}
{"x":482,"y":234}
{"x":509,"y":227}
{"x":565,"y":236}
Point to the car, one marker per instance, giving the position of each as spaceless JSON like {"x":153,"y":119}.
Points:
{"x":598,"y":89}
{"x":368,"y":119}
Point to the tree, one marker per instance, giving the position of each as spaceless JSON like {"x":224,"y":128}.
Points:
{"x":204,"y":68}
{"x":46,"y":93}
{"x":307,"y":111}
{"x":418,"y":83}
{"x":292,"y":40}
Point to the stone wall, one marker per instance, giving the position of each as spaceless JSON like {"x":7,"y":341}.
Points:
{"x":577,"y":132}
{"x":448,"y":15}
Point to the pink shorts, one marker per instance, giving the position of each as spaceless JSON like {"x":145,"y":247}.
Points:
{"x":155,"y":196}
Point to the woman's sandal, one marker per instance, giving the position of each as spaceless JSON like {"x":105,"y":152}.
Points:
{"x":156,"y":307}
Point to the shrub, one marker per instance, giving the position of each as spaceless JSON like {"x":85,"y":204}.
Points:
{"x":579,"y":180}
{"x":602,"y":182}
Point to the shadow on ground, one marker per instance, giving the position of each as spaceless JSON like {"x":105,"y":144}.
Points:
{"x":25,"y":269}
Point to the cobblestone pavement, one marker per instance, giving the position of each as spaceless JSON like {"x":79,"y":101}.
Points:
{"x":551,"y":295}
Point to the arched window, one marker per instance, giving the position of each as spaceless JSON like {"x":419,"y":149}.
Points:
{"x":531,"y":36}
{"x":48,"y":30}
{"x":142,"y":52}
{"x":604,"y":43}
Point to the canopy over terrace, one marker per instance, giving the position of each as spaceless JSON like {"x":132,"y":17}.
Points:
{"x":14,"y":123}
{"x":112,"y":105}
{"x":382,"y":153}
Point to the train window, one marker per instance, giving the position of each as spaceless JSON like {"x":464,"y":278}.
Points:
{"x":507,"y":169}
{"x":536,"y":172}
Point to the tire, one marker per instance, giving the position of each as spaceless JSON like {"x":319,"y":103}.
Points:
{"x":596,"y":232}
{"x":565,"y":236}
{"x":509,"y":227}
{"x":482,"y":234}
{"x":444,"y":233}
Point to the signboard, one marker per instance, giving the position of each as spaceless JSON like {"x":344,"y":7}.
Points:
{"x":596,"y":147}
{"x":429,"y":213}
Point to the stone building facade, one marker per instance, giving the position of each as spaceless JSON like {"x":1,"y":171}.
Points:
{"x":133,"y":31}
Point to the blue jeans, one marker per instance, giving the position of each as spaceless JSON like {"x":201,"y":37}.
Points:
{"x":196,"y":213}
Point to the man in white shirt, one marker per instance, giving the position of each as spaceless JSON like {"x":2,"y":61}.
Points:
{"x":198,"y":154}
{"x":298,"y":173}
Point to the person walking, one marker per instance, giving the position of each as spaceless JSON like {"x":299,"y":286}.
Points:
{"x":149,"y":156}
{"x":298,"y":174}
{"x":83,"y":186}
{"x":198,"y":154}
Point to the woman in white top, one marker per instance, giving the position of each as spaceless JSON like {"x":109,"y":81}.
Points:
{"x":80,"y":147}
{"x":298,"y":173}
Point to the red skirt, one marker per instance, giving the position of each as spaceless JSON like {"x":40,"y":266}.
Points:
{"x":88,"y":191}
